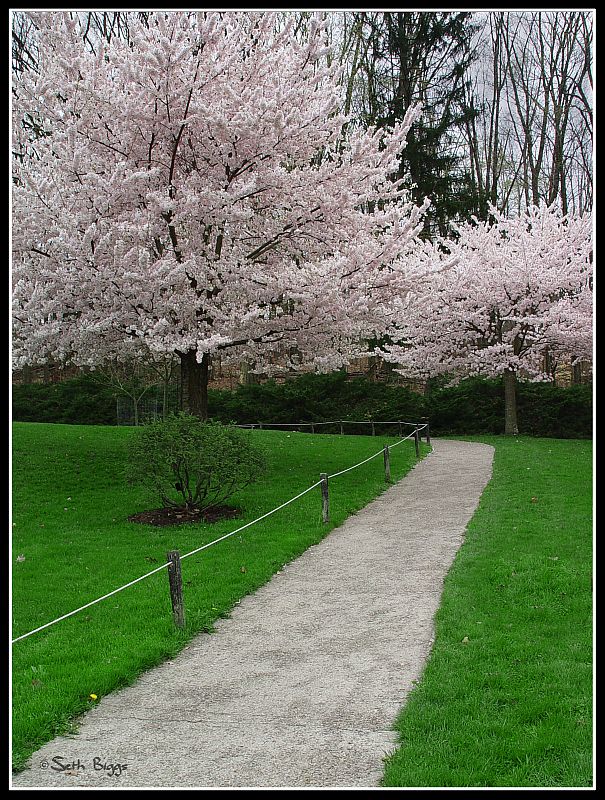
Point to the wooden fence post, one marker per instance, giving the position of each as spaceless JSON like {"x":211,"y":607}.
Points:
{"x":399,"y":429}
{"x":417,"y":442}
{"x":341,"y":429}
{"x":325,"y":498}
{"x":312,"y":428}
{"x":387,"y":464}
{"x":176,"y":587}
{"x":373,"y":430}
{"x":428,"y":433}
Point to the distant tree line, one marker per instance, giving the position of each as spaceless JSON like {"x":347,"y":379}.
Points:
{"x":507,"y":99}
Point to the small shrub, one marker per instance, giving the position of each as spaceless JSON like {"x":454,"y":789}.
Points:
{"x":186,"y":462}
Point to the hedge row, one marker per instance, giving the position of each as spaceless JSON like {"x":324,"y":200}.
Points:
{"x":475,"y":406}
{"x":79,"y":401}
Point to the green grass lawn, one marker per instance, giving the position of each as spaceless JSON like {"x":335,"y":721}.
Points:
{"x":70,"y":509}
{"x":506,"y":696}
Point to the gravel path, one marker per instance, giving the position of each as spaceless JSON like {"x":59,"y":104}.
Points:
{"x":301,"y":686}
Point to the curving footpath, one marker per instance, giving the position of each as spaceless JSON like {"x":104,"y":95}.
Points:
{"x":301,"y":686}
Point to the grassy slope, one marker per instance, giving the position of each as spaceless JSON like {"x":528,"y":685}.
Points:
{"x":70,"y":509}
{"x":506,"y":696}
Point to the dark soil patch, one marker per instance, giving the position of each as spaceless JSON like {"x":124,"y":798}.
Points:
{"x":178,"y":516}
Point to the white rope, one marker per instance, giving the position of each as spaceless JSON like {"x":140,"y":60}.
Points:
{"x":248,"y":524}
{"x":375,"y":422}
{"x":365,"y":461}
{"x":348,"y":469}
{"x":401,"y":440}
{"x":205,"y":546}
{"x":334,"y":422}
{"x":158,"y":569}
{"x":92,"y":603}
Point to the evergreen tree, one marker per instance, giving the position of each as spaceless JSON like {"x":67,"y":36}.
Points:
{"x":422,"y":57}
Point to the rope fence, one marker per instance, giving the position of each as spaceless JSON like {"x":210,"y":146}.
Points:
{"x":340,"y":422}
{"x":174,"y":558}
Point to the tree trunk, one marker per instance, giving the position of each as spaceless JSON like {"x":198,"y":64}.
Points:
{"x":194,"y":382}
{"x":510,"y":404}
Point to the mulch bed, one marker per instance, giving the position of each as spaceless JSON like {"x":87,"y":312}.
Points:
{"x":178,"y":516}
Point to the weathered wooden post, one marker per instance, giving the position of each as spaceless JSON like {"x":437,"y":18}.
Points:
{"x":312,"y":428}
{"x":399,"y":429}
{"x":387,"y":464}
{"x":417,"y":441}
{"x":373,"y":430}
{"x":260,"y":425}
{"x":176,"y":587}
{"x":428,"y":433}
{"x":342,"y":430}
{"x":325,"y":498}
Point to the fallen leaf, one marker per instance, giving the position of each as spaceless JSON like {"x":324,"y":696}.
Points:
{"x":21,"y":557}
{"x":466,"y":640}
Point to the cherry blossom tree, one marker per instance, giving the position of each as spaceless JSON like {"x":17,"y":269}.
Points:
{"x":189,"y":191}
{"x":514,"y":290}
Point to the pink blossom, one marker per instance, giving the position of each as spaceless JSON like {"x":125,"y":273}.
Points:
{"x":515,"y":289}
{"x":191,"y":190}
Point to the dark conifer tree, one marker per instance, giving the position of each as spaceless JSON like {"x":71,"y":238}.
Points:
{"x":424,"y":57}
